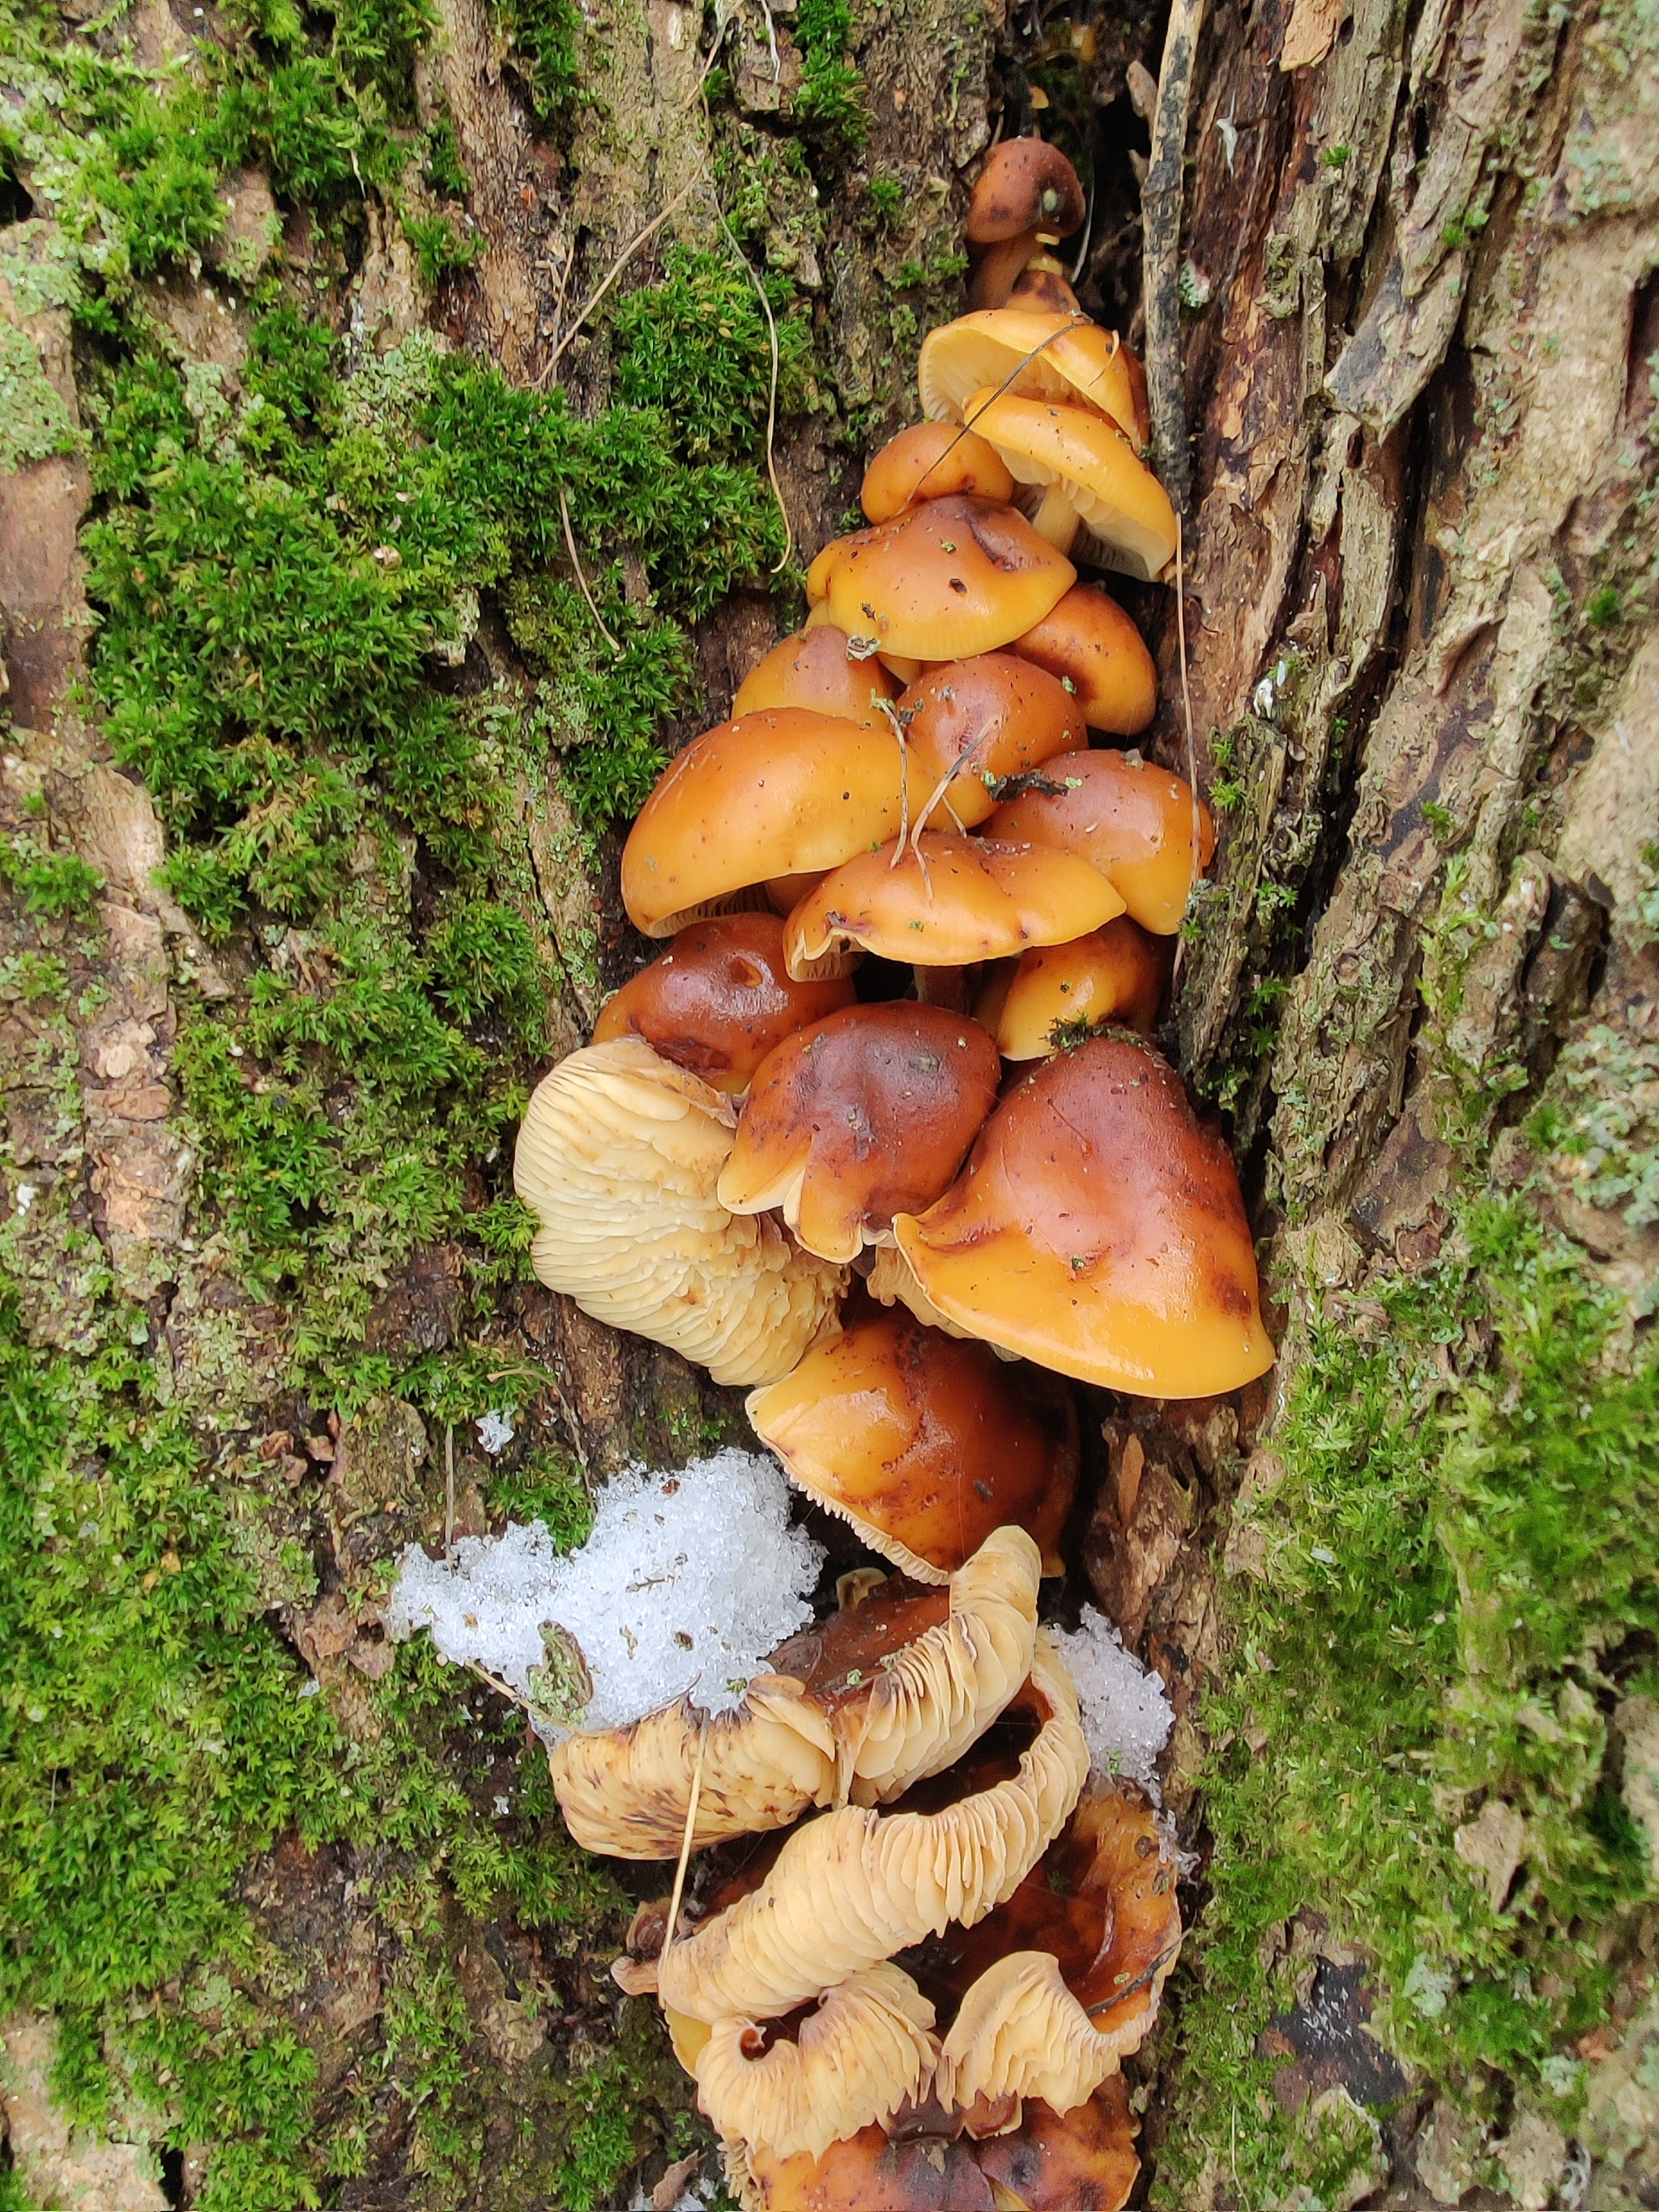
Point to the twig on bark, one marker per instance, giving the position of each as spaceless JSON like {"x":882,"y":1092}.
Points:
{"x":1161,"y":198}
{"x":613,"y":272}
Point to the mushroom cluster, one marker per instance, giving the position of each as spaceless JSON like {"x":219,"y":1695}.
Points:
{"x":881,"y":1136}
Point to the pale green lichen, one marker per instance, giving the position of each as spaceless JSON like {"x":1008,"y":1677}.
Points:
{"x":36,"y":422}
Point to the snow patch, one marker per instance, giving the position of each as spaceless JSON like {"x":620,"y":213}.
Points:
{"x":1125,"y":1713}
{"x":686,"y":1583}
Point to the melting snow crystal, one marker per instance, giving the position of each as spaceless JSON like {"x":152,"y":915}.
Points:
{"x":1125,"y":1716}
{"x":686,"y":1583}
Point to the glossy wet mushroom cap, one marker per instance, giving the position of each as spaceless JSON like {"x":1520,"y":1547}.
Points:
{"x":1099,"y":1230}
{"x":1082,"y":464}
{"x":1134,"y":821}
{"x":780,"y":793}
{"x":947,"y":578}
{"x":813,"y":669}
{"x":925,"y":1443}
{"x":1116,"y":974}
{"x":1087,"y":643}
{"x":719,"y":1000}
{"x":1031,"y":353}
{"x":1025,"y":185}
{"x":978,"y":722}
{"x":950,"y":901}
{"x":849,"y":1118}
{"x":931,"y":460}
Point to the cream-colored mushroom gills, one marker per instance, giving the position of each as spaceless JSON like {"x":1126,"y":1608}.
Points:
{"x":618,"y":1158}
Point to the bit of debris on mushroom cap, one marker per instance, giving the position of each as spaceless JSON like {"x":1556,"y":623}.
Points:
{"x":619,"y":1158}
{"x":1058,"y":992}
{"x":1131,"y":819}
{"x":1092,"y":461}
{"x":1099,"y":1230}
{"x":813,"y":670}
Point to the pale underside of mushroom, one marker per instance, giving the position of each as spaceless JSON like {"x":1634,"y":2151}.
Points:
{"x":619,"y":1157}
{"x":1021,"y":2033}
{"x":855,"y":1886}
{"x":866,"y":2051}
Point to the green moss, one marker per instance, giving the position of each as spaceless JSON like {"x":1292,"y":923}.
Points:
{"x":831,"y":90}
{"x":544,"y":43}
{"x":57,"y":885}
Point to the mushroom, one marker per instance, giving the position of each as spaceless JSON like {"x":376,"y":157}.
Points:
{"x":1056,"y":1987}
{"x":619,"y":1158}
{"x":1091,"y":646}
{"x":931,"y":460}
{"x":998,"y":269}
{"x":949,"y":902}
{"x":1025,"y":185}
{"x":1032,"y":354}
{"x":1042,"y":287}
{"x":864,"y":1114}
{"x":892,"y":1282}
{"x":813,"y":669}
{"x":1099,"y":1230}
{"x":924,"y":1443}
{"x":1059,"y":992}
{"x":971,"y":723}
{"x":855,"y":1886}
{"x":1136,"y":822}
{"x":947,"y":578}
{"x":863,"y":1704}
{"x":719,"y":1000}
{"x":862,"y":2051}
{"x":780,"y":793}
{"x":1084,"y":468}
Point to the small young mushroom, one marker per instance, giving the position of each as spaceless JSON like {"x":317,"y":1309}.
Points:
{"x":1032,"y":354}
{"x":852,"y":1887}
{"x":813,"y":669}
{"x":781,"y":792}
{"x":1043,"y":288}
{"x":619,"y":1158}
{"x":861,"y":1706}
{"x":925,"y":1443}
{"x":1085,"y":470}
{"x":719,"y":1000}
{"x":950,"y":901}
{"x":1054,"y":1989}
{"x":1090,"y":645}
{"x":1025,"y":185}
{"x":931,"y":460}
{"x":971,"y":723}
{"x":1134,"y":821}
{"x":1059,"y":992}
{"x":1099,"y":1230}
{"x":947,"y":578}
{"x":853,"y":1119}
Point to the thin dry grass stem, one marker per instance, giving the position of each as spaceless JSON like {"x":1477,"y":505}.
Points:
{"x":1187,"y":710}
{"x":570,"y":548}
{"x":891,"y":713}
{"x":615,"y":270}
{"x":963,"y":760}
{"x":685,"y":1845}
{"x":1019,"y":367}
{"x":502,"y":1689}
{"x":772,"y":387}
{"x":449,"y":1497}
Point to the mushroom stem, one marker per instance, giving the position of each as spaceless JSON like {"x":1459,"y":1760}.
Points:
{"x":944,"y":986}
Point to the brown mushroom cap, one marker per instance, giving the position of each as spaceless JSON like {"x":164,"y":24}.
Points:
{"x":1085,"y":2162}
{"x":854,"y":1887}
{"x":1025,"y":185}
{"x":1083,"y":462}
{"x":1132,"y":820}
{"x":985,"y":718}
{"x":925,"y":1443}
{"x":1043,"y":287}
{"x":1116,"y":974}
{"x":931,"y":460}
{"x":1088,"y":643}
{"x":719,"y":1000}
{"x":778,"y":794}
{"x":850,"y":1120}
{"x":1053,"y":1989}
{"x":1099,"y":1230}
{"x":947,"y":578}
{"x":950,"y":901}
{"x":1031,"y":353}
{"x":812,"y":669}
{"x":618,"y":1157}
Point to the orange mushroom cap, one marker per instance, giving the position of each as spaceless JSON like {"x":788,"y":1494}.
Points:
{"x":950,"y":901}
{"x":1043,"y":286}
{"x":947,"y":578}
{"x":777,"y":793}
{"x":1025,"y":185}
{"x":1134,"y":821}
{"x":1099,"y":1230}
{"x":719,"y":1000}
{"x":1030,"y":353}
{"x":867,"y":1113}
{"x":925,"y":1443}
{"x":812,"y":669}
{"x":931,"y":460}
{"x":985,"y":718}
{"x":1116,"y":974}
{"x":1087,"y":641}
{"x":1084,"y":464}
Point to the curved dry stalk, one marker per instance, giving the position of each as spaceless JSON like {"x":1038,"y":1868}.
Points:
{"x":612,"y":273}
{"x":695,"y":1793}
{"x":570,"y":548}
